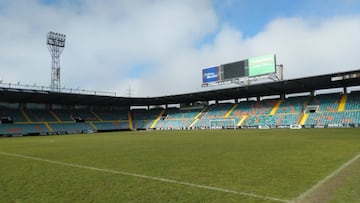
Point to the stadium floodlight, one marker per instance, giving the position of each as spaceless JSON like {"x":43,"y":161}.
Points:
{"x":55,"y":43}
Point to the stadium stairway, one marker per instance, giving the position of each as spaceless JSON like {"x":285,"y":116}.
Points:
{"x":97,"y":116}
{"x":342,"y":103}
{"x":303,"y":119}
{"x":131,"y":125}
{"x":197,"y":117}
{"x":194,"y":123}
{"x":242,"y":120}
{"x":26,"y":116}
{"x":48,"y":127}
{"x":157,"y":119}
{"x":55,"y":116}
{"x":92,"y":125}
{"x":275,"y":108}
{"x":231,"y":110}
{"x":200,"y":113}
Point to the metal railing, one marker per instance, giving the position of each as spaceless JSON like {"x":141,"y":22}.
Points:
{"x":43,"y":88}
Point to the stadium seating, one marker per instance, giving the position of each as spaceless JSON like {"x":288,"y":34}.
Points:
{"x":327,"y":102}
{"x":332,"y":110}
{"x":70,"y":115}
{"x":261,"y":120}
{"x":64,"y":115}
{"x":70,"y":128}
{"x":111,"y":126}
{"x":173,"y":124}
{"x":353,"y":101}
{"x":143,"y":119}
{"x":292,"y":105}
{"x":14,"y":114}
{"x":334,"y":118}
{"x":85,"y":115}
{"x":253,"y":108}
{"x":213,"y":112}
{"x":40,"y":116}
{"x":112,"y":115}
{"x":175,"y":118}
{"x":217,"y":110}
{"x":329,"y":114}
{"x":23,"y":129}
{"x":176,"y":113}
{"x":257,"y":113}
{"x":288,"y":119}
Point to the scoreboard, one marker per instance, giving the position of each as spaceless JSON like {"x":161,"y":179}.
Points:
{"x":235,"y":70}
{"x":248,"y":68}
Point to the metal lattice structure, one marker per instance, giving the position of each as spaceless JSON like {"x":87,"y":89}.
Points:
{"x":55,"y":43}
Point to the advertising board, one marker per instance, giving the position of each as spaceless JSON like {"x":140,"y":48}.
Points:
{"x":210,"y":75}
{"x":261,"y":65}
{"x":251,"y":69}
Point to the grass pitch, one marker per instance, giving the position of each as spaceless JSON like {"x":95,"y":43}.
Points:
{"x":169,"y":166}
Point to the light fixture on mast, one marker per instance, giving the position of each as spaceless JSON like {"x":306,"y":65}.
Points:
{"x":55,"y":43}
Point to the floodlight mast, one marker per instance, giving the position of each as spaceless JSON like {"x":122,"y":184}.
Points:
{"x":55,"y":43}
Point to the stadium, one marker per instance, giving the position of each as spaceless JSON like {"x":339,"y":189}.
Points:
{"x":158,"y":142}
{"x":47,"y":112}
{"x":249,"y":135}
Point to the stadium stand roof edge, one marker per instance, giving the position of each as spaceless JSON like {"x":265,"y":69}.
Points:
{"x":298,"y":85}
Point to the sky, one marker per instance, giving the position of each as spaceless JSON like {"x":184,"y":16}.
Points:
{"x":159,"y":47}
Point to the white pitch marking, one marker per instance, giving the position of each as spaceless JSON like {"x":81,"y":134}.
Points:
{"x":149,"y":177}
{"x":322,"y":181}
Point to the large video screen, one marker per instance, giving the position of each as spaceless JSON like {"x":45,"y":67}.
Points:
{"x":211,"y":75}
{"x":262,"y":65}
{"x":253,"y":67}
{"x":235,"y":70}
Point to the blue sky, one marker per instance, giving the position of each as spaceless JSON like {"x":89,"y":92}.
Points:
{"x":252,"y":16}
{"x":159,"y":47}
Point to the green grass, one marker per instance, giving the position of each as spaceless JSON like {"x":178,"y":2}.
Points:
{"x":275,"y":163}
{"x":349,"y":189}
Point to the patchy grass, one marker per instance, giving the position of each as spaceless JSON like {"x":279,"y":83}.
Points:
{"x":274,"y":163}
{"x":349,"y":186}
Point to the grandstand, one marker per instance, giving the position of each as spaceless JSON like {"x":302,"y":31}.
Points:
{"x":250,"y":107}
{"x":175,"y":118}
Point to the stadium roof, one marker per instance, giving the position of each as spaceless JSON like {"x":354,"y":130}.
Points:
{"x":299,"y":85}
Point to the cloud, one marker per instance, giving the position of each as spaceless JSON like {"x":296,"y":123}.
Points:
{"x":305,"y":47}
{"x":158,"y":47}
{"x":309,"y":48}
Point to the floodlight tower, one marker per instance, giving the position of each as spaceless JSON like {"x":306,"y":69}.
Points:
{"x":55,"y":44}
